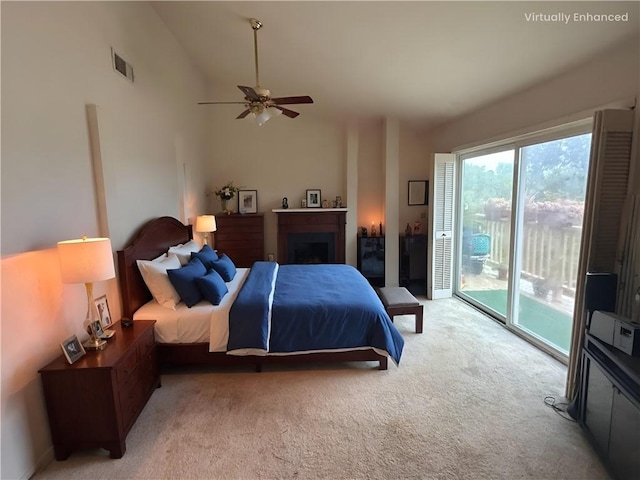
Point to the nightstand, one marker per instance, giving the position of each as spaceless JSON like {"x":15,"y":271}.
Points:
{"x":94,"y":402}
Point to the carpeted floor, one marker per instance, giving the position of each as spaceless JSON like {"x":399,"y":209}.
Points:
{"x":466,"y":402}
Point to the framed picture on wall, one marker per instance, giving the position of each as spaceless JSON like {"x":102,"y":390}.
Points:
{"x":314,"y":199}
{"x":418,"y":192}
{"x":248,"y":201}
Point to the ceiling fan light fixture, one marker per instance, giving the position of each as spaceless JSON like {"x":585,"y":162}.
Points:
{"x":263,"y":117}
{"x":274,"y":111}
{"x":259,"y":106}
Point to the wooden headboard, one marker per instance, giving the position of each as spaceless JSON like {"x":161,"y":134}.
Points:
{"x":151,"y":241}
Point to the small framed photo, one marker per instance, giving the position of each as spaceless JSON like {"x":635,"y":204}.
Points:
{"x":72,"y":349}
{"x":303,"y":203}
{"x":248,"y":201}
{"x":96,"y":329}
{"x":314,"y":199}
{"x":103,"y":312}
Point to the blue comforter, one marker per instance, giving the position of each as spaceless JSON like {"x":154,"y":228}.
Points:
{"x":309,"y":308}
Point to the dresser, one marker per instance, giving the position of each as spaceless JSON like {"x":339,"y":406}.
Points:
{"x":241,"y":237}
{"x":94,"y":402}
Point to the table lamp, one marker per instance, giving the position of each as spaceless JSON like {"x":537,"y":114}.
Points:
{"x":206,"y":224}
{"x":87,"y":260}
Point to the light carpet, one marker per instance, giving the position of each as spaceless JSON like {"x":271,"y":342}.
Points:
{"x":466,"y":402}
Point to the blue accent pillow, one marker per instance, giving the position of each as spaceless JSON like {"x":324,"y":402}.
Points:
{"x":225,"y":267}
{"x":206,"y":255}
{"x":212,"y":287}
{"x":184,"y":281}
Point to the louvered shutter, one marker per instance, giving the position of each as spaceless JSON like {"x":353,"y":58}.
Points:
{"x":609,"y":167}
{"x":443,"y":221}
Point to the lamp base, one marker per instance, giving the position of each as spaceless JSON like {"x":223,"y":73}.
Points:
{"x":95,"y":344}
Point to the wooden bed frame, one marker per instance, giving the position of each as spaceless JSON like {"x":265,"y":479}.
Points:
{"x":153,"y":240}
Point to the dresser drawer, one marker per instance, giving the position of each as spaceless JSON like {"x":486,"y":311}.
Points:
{"x":146,"y":345}
{"x":127,"y":368}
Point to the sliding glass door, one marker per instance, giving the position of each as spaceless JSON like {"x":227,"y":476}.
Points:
{"x":487,"y":186}
{"x":520,"y":231}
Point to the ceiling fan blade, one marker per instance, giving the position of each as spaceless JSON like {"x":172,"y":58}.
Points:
{"x":243,"y":114}
{"x":249,"y":92}
{"x":292,"y":100}
{"x":287,"y":112}
{"x":222,"y":103}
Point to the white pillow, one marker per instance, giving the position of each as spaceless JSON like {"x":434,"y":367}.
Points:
{"x":154,"y":273}
{"x":183,"y":251}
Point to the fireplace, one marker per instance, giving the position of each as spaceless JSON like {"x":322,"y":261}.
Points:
{"x":311,"y":236}
{"x":305,"y":248}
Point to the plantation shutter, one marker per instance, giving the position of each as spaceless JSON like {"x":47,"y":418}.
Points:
{"x":609,"y":167}
{"x":441,"y":285}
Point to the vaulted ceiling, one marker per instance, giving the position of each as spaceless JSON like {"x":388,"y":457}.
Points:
{"x":419,"y":61}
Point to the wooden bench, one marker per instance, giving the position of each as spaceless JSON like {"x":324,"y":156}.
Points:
{"x":399,"y":301}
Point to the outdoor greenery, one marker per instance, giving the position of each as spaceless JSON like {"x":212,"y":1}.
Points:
{"x":554,"y":183}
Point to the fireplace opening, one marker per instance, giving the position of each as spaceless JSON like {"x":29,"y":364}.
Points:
{"x":308,"y":248}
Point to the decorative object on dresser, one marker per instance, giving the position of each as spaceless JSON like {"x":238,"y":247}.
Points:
{"x":72,"y":349}
{"x":87,"y":260}
{"x":104,"y":314}
{"x":241,"y":237}
{"x":248,"y":201}
{"x":206,"y":224}
{"x":225,"y":194}
{"x":314,"y":199}
{"x":95,"y":402}
{"x":418,"y":192}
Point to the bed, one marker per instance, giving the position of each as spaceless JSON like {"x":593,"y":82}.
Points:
{"x":256,"y":320}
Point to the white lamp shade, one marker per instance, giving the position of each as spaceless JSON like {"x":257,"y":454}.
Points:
{"x":206,"y":223}
{"x":262,"y":117}
{"x":86,"y":260}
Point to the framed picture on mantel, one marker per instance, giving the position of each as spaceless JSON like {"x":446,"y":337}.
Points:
{"x":313,"y":198}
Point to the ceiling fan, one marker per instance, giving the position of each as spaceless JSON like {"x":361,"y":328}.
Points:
{"x":257,"y":100}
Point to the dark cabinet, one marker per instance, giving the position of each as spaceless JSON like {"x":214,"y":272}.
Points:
{"x":241,"y":237}
{"x":610,"y":406}
{"x":371,"y":259}
{"x":413,"y":263}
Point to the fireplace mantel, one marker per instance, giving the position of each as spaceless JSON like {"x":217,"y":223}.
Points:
{"x":311,"y":220}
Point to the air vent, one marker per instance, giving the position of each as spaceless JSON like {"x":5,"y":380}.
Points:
{"x":121,"y":66}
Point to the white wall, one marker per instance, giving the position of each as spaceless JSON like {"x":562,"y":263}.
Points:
{"x":55,"y":61}
{"x":283,"y":158}
{"x":611,"y":77}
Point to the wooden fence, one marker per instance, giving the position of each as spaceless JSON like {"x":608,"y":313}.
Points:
{"x":549,"y":253}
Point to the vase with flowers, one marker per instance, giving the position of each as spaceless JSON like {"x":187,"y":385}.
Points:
{"x":226,"y":193}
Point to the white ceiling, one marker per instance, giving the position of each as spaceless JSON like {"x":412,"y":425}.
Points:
{"x":418,"y":61}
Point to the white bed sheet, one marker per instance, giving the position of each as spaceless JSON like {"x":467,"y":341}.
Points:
{"x":201,"y":323}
